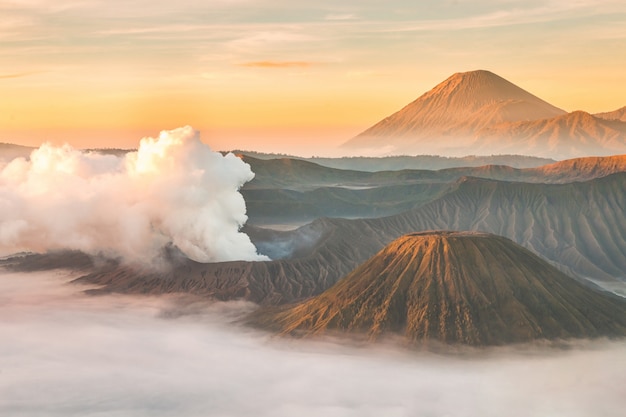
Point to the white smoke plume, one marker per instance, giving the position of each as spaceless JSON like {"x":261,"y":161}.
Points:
{"x":173,"y":190}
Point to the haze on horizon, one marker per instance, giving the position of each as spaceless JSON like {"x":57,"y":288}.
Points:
{"x":274,"y":75}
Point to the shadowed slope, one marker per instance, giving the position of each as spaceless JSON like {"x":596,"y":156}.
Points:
{"x":467,"y":288}
{"x":297,"y":192}
{"x":580,"y":226}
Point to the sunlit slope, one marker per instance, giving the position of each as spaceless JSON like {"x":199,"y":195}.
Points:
{"x":571,"y":135}
{"x":466,"y":288}
{"x":619,"y":114}
{"x":580,"y":169}
{"x":448,"y":117}
{"x":481,"y":113}
{"x":459,"y":107}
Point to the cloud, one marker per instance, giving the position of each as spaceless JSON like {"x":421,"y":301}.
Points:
{"x":17,"y":74}
{"x":66,"y":354}
{"x":361,"y":74}
{"x":277,"y":64}
{"x":173,"y":190}
{"x":500,"y":16}
{"x":343,"y":16}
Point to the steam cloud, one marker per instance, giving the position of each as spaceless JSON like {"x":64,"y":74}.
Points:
{"x":173,"y":190}
{"x":66,"y":354}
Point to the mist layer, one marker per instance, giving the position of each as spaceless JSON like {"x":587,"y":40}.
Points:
{"x":66,"y":354}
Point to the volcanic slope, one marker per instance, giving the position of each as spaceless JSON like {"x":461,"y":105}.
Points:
{"x":577,"y":169}
{"x":579,"y":227}
{"x":293,"y":174}
{"x":302,"y":194}
{"x":456,"y":288}
{"x":398,"y":163}
{"x":572,"y":135}
{"x":619,"y":114}
{"x":447,"y":118}
{"x":482,"y":113}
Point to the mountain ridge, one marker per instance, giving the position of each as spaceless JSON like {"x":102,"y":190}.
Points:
{"x":578,"y":227}
{"x":575,"y":133}
{"x":619,"y":114}
{"x":457,"y":108}
{"x":482,"y":112}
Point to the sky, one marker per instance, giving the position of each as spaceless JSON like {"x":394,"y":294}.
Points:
{"x":284,"y":76}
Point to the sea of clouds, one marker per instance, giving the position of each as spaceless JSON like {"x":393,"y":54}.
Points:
{"x":64,"y":353}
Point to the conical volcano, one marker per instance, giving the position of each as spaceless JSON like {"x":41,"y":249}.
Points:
{"x":454,"y":111}
{"x":456,"y":288}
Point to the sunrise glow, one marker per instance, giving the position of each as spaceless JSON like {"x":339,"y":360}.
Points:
{"x":284,"y":76}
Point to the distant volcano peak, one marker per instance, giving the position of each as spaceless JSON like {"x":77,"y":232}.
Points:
{"x":466,"y":91}
{"x":453,"y":112}
{"x":479,"y":80}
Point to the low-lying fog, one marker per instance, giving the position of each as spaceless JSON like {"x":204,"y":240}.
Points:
{"x":63,"y":353}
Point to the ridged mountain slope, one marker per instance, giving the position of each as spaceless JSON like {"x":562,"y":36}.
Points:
{"x":455,"y":288}
{"x":619,"y":114}
{"x":579,"y":227}
{"x":581,"y":169}
{"x":453,"y":112}
{"x":480,"y":113}
{"x":571,"y":135}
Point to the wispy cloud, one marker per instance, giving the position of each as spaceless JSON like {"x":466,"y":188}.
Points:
{"x":342,"y":16}
{"x":553,"y":11}
{"x":17,"y":74}
{"x":362,"y":74}
{"x":277,"y":64}
{"x":168,"y":28}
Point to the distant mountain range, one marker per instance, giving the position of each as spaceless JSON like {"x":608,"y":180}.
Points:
{"x":579,"y":227}
{"x":470,"y":286}
{"x":402,"y":162}
{"x":619,"y":114}
{"x":481,"y":113}
{"x":298,"y":174}
{"x":290,"y":191}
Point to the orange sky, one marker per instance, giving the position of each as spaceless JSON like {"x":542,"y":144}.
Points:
{"x":284,"y":77}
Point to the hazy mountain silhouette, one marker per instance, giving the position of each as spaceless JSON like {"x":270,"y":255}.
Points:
{"x":573,"y":134}
{"x":619,"y":114}
{"x":447,"y":118}
{"x":481,"y":113}
{"x":402,"y":162}
{"x":297,"y":192}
